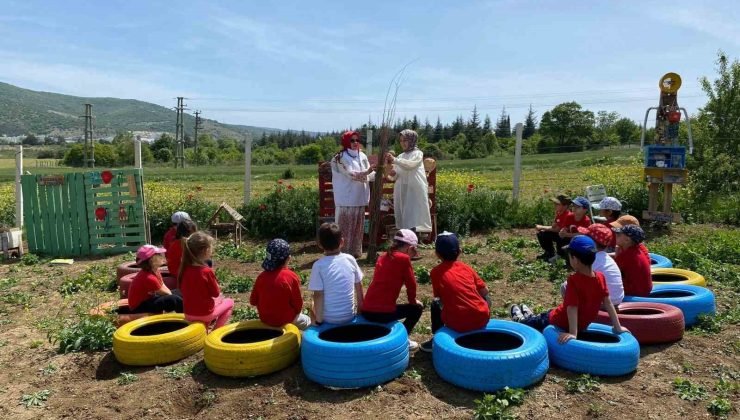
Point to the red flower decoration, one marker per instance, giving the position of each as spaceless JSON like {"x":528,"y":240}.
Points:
{"x":471,"y":187}
{"x":107,"y":176}
{"x":290,"y":187}
{"x":100,"y":213}
{"x":280,"y":181}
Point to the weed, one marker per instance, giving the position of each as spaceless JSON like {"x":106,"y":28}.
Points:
{"x":304,"y":276}
{"x":413,"y":374}
{"x":6,"y":284}
{"x":470,"y":249}
{"x":529,"y":272}
{"x":126,"y":378}
{"x":244,"y":314}
{"x":496,"y":406}
{"x":36,"y":399}
{"x":48,"y":370}
{"x":17,"y":298}
{"x":500,"y":312}
{"x":205,"y":400}
{"x":595,"y":410}
{"x":719,"y":407}
{"x":35,"y":344}
{"x":289,"y":174}
{"x":581,"y":384}
{"x":232,"y":283}
{"x":178,"y":372}
{"x":97,"y":277}
{"x":89,"y":333}
{"x":29,"y":259}
{"x":713,"y":324}
{"x":490,"y":272}
{"x":726,"y":387}
{"x":687,"y":367}
{"x":422,"y":274}
{"x":688,"y":391}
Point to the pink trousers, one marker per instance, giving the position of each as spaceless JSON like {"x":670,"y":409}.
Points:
{"x":221,"y":313}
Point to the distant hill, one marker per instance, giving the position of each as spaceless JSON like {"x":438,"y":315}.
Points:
{"x":25,"y":111}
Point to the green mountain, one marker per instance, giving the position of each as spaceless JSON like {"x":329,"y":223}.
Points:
{"x":24,"y":111}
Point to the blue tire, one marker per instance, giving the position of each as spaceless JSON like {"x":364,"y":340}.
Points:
{"x":659,"y":261}
{"x":502,"y":354}
{"x":691,"y":300}
{"x":597,"y":351}
{"x":354,"y":355}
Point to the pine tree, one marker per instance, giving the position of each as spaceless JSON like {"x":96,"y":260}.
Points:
{"x":503,"y":125}
{"x":487,"y":125}
{"x":530,"y":124}
{"x":439,"y":132}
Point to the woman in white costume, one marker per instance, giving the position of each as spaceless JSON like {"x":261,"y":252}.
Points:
{"x":410,"y":192}
{"x":351,"y":172}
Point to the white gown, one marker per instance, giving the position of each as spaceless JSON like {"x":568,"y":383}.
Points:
{"x":411,"y":192}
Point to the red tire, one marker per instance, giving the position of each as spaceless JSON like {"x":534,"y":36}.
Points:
{"x":650,"y":323}
{"x":124,"y":283}
{"x":126,"y":269}
{"x":120,"y":308}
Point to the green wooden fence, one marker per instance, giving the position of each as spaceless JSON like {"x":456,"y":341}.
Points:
{"x":88,"y":213}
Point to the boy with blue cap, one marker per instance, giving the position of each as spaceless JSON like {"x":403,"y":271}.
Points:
{"x":584,"y":296}
{"x":461,"y":296}
{"x":277,"y":290}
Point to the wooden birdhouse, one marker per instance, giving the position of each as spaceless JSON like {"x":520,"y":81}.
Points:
{"x":227,"y":220}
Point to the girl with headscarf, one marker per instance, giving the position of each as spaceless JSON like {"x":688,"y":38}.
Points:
{"x":410,"y":191}
{"x":351,"y":172}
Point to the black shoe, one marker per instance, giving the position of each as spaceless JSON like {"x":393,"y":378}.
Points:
{"x":427,"y":346}
{"x":516,"y":313}
{"x":545,"y":256}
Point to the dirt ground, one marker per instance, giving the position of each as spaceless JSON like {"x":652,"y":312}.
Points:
{"x":84,"y":385}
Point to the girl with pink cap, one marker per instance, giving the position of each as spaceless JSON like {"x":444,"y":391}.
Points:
{"x":148,"y":293}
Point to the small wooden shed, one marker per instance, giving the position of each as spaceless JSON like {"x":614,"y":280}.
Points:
{"x":227,"y":220}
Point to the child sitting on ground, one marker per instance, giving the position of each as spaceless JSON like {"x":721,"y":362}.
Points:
{"x":201,"y":297}
{"x":548,"y":236}
{"x":148,"y":293}
{"x":169,"y":236}
{"x":584,"y":296}
{"x":277,"y":290}
{"x":632,"y":261}
{"x":336,"y":280}
{"x":174,"y":253}
{"x":610,"y":209}
{"x":393,"y":270}
{"x":461,"y":297}
{"x":602,"y":235}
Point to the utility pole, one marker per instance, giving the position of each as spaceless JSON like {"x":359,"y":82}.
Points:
{"x":179,"y":135}
{"x":89,"y":149}
{"x":198,"y":126}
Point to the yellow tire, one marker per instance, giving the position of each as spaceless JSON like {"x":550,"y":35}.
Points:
{"x":251,"y":348}
{"x":157,"y":340}
{"x":677,"y":276}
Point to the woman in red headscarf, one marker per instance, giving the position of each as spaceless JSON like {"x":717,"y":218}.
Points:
{"x":351,"y":172}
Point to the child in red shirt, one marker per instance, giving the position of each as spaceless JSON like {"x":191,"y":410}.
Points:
{"x":148,"y":293}
{"x":201,"y":297}
{"x":584,"y":296}
{"x":169,"y":236}
{"x":461,"y":297}
{"x":277,"y":290}
{"x":633,"y":262}
{"x":548,"y":236}
{"x":624,"y":221}
{"x":392,"y":271}
{"x":174,"y":252}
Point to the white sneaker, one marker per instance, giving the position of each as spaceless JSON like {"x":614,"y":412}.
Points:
{"x":413,"y":345}
{"x":554,"y":259}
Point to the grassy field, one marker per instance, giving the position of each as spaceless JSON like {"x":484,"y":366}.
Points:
{"x":541,"y":174}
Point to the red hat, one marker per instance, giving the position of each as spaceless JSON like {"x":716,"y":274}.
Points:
{"x":347,"y":137}
{"x":600,"y":233}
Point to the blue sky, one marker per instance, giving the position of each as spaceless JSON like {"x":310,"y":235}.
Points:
{"x":323,"y":65}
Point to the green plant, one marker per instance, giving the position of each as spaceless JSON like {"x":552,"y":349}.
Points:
{"x":178,"y":372}
{"x":35,"y":344}
{"x":422,"y":274}
{"x":244,"y":313}
{"x":29,"y":259}
{"x":288,"y":174}
{"x":490,"y":272}
{"x":687,"y":367}
{"x":48,"y":370}
{"x":470,"y":249}
{"x":8,"y":283}
{"x":36,"y":399}
{"x":689,"y":391}
{"x":581,"y":384}
{"x":719,"y":407}
{"x":413,"y":374}
{"x":88,"y":333}
{"x":595,"y":410}
{"x":725,"y":387}
{"x":530,"y":272}
{"x":97,"y":277}
{"x":232,"y":283}
{"x":206,"y":399}
{"x":496,"y":406}
{"x":17,"y":298}
{"x":126,"y":378}
{"x":285,"y":212}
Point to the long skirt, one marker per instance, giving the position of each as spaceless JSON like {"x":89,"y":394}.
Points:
{"x":351,"y":221}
